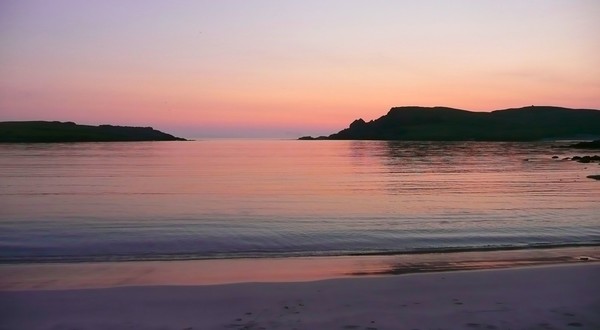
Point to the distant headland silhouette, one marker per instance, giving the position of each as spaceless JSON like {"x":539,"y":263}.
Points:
{"x":533,"y":123}
{"x":55,"y":131}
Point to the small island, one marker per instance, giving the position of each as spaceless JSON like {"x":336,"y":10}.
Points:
{"x":55,"y":131}
{"x":531,"y":123}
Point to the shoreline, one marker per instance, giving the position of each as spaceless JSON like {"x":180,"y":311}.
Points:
{"x":87,"y":275}
{"x":192,"y":257}
{"x":546,"y":297}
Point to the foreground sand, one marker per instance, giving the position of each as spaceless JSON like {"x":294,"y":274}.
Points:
{"x":548,"y":297}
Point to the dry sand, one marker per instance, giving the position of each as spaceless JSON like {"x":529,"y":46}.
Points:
{"x":546,"y":297}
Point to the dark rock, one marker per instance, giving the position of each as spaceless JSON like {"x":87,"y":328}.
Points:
{"x":585,"y":145}
{"x":310,"y":138}
{"x":586,"y":159}
{"x":595,"y":177}
{"x":554,"y":157}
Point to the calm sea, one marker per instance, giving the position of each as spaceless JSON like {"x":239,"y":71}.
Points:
{"x":264,"y":198}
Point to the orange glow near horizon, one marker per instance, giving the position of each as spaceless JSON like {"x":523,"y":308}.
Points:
{"x":211,"y":65}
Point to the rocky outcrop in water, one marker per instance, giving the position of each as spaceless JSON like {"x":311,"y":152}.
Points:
{"x":586,"y":159}
{"x":584,"y":145}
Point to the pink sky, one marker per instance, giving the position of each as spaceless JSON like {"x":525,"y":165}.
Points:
{"x":289,"y":68}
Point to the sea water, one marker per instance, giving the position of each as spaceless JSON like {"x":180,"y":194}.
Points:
{"x":210,"y":199}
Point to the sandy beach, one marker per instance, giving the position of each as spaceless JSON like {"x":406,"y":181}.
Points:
{"x":542,"y":297}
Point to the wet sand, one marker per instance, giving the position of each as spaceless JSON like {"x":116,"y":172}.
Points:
{"x":542,"y":297}
{"x":53,"y":276}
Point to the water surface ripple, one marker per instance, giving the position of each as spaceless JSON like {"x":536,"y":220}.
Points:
{"x":262,"y":198}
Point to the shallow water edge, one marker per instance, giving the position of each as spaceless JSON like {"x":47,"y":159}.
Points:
{"x":57,"y":276}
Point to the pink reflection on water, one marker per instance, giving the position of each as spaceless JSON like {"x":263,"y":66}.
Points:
{"x":225,"y":271}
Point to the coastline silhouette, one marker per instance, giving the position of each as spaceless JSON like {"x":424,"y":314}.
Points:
{"x":531,"y":123}
{"x":55,"y":131}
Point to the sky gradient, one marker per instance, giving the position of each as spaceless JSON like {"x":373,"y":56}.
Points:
{"x":289,"y":68}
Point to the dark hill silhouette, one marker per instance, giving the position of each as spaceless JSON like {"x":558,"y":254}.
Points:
{"x":448,"y":124}
{"x":54,"y":131}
